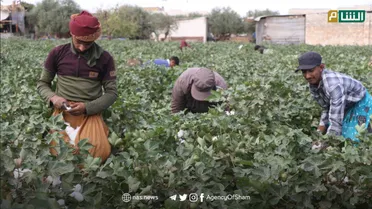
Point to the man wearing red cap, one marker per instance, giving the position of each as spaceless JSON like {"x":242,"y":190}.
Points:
{"x":192,"y":89}
{"x":83,"y":68}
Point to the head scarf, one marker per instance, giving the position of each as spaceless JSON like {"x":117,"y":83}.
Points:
{"x":85,"y":27}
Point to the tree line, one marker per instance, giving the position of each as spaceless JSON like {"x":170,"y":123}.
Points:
{"x":133,"y":22}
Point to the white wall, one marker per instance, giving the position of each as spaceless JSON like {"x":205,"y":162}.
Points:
{"x":191,"y":28}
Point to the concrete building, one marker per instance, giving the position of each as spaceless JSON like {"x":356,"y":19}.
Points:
{"x":311,"y":26}
{"x":190,"y":30}
{"x":280,"y":29}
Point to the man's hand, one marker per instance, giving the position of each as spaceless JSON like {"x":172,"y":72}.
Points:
{"x":77,"y":108}
{"x":322,"y":129}
{"x":58,"y":101}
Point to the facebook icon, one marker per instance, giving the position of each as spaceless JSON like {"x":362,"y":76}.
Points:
{"x":201,"y":197}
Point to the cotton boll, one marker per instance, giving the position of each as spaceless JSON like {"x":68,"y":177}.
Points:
{"x":18,"y":173}
{"x":61,"y":202}
{"x":71,"y":132}
{"x":56,"y":181}
{"x":214,"y":138}
{"x":78,"y":196}
{"x":346,"y":180}
{"x":49,"y":179}
{"x":77,"y":188}
{"x":180,"y":133}
{"x":77,"y":193}
{"x":230,"y":112}
{"x":317,"y":145}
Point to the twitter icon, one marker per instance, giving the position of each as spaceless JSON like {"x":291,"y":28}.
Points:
{"x":183,"y":197}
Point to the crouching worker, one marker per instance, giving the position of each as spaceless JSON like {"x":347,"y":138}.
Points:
{"x":171,"y":62}
{"x":192,"y":89}
{"x":345,"y":101}
{"x":83,"y":68}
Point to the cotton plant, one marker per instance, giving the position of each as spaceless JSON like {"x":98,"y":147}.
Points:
{"x":77,"y":193}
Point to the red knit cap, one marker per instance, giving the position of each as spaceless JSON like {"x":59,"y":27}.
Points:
{"x":85,"y":27}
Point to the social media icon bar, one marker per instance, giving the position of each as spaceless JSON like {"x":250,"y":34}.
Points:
{"x":193,"y":197}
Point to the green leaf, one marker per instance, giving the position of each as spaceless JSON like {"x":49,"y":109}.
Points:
{"x":114,"y":139}
{"x":354,"y":200}
{"x":325,"y":204}
{"x":58,"y":168}
{"x":308,"y":167}
{"x":92,"y":163}
{"x":102,"y":174}
{"x":146,"y":191}
{"x":84,"y":144}
{"x":133,"y":184}
{"x":188,"y":163}
{"x":201,"y":142}
{"x":171,"y":204}
{"x":97,"y":199}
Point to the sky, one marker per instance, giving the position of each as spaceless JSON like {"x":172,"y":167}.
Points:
{"x":240,"y":6}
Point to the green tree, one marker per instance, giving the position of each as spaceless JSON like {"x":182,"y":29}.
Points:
{"x":250,"y":27}
{"x":52,"y":16}
{"x":224,"y":22}
{"x":30,"y":28}
{"x":162,"y":23}
{"x":126,"y":21}
{"x":114,"y":24}
{"x":257,"y":13}
{"x":189,"y":16}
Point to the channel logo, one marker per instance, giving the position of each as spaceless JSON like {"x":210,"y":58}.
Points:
{"x":346,"y":16}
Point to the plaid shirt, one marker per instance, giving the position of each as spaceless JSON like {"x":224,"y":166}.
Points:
{"x":336,"y":93}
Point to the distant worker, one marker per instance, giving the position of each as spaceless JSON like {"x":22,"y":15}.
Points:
{"x":184,"y":44}
{"x":193,"y":87}
{"x":173,"y":61}
{"x":254,"y":37}
{"x":345,"y":101}
{"x":261,"y":49}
